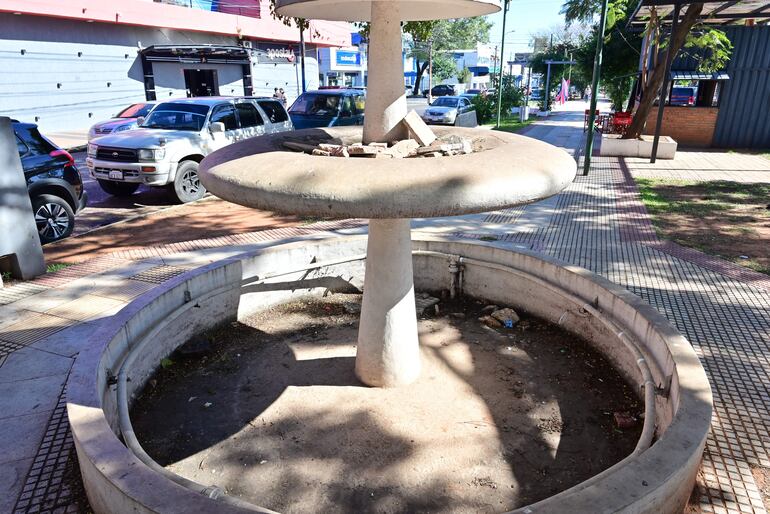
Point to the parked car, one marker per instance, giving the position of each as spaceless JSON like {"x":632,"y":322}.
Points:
{"x":174,"y":138}
{"x":441,"y":90}
{"x":328,"y":108}
{"x":54,"y":183}
{"x":681,"y":95}
{"x":127,"y":119}
{"x":450,"y":110}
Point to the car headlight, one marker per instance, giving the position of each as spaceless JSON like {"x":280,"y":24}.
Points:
{"x":151,"y":154}
{"x":92,"y":150}
{"x":121,"y":128}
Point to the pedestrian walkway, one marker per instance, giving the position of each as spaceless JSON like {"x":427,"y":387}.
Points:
{"x":598,"y":223}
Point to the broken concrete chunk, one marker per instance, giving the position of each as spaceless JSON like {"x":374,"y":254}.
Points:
{"x":362,"y":150}
{"x":490,"y":322}
{"x":378,"y":145}
{"x":418,"y":129}
{"x":507,"y":317}
{"x":404,"y":148}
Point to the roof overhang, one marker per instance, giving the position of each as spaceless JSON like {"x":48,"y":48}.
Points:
{"x":694,"y":75}
{"x":196,"y":54}
{"x":722,"y":12}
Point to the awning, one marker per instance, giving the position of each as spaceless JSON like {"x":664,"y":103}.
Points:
{"x":694,"y":75}
{"x":479,"y":71}
{"x":194,"y":54}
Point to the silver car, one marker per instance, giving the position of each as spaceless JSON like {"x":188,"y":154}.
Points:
{"x":174,"y":138}
{"x":127,"y":119}
{"x":451,"y":110}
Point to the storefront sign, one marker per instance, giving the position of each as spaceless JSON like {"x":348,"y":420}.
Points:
{"x":347,"y":58}
{"x":274,"y":55}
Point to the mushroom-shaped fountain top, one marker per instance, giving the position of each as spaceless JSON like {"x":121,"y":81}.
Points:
{"x":410,"y":10}
{"x":505,"y":170}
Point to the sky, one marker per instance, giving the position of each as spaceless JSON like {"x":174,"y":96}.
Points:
{"x":525,"y":17}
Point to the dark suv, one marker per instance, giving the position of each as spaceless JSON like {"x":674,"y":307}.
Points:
{"x":441,"y":90}
{"x":54,"y":183}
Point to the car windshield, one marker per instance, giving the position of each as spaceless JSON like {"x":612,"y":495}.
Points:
{"x":316,"y":105}
{"x":445,"y":102}
{"x":135,"y":111}
{"x":177,"y":116}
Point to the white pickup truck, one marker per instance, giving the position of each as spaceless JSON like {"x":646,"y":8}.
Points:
{"x":174,"y":138}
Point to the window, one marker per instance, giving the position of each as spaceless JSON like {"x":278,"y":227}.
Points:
{"x":225,"y":114}
{"x":135,"y":111}
{"x":465,"y":103}
{"x":274,"y":111}
{"x":316,"y":105}
{"x":177,"y":116}
{"x":248,"y":115}
{"x":21,"y":147}
{"x":33,"y":141}
{"x":347,"y":106}
{"x":360,"y":101}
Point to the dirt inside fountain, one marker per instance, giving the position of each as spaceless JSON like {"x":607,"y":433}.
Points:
{"x":269,"y":409}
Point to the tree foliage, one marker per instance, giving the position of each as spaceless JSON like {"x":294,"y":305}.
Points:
{"x":708,"y":45}
{"x":464,"y":75}
{"x":444,"y":36}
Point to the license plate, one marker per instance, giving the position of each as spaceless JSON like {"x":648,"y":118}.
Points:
{"x":116,"y":175}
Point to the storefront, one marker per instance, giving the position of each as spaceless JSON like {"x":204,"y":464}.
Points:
{"x":344,"y":67}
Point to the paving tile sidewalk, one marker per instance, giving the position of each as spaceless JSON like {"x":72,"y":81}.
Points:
{"x":598,"y":223}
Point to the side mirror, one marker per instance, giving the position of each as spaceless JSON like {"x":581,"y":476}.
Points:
{"x":140,"y":120}
{"x":217,"y":126}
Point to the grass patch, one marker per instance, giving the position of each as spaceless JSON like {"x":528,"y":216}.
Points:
{"x":57,"y":266}
{"x":512,"y":124}
{"x":728,"y":219}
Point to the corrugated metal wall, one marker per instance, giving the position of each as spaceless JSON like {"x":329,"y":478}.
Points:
{"x":744,"y":114}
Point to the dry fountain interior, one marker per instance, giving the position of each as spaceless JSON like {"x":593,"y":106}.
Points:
{"x":508,"y":170}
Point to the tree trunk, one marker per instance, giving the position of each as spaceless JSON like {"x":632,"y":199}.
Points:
{"x":656,"y":75}
{"x":420,"y":72}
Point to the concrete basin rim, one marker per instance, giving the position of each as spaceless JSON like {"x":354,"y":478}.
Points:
{"x":81,"y":384}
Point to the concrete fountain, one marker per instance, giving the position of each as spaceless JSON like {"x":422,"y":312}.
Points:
{"x":503,"y":170}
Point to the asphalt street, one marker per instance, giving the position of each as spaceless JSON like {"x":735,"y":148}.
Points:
{"x":104,"y":209}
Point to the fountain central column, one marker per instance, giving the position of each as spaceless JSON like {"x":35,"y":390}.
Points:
{"x":388,"y":353}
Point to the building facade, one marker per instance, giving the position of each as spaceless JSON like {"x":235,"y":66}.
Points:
{"x":69,"y":64}
{"x":726,"y":109}
{"x":346,"y":67}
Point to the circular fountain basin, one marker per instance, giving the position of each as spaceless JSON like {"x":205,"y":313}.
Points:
{"x":659,"y":478}
{"x":505,"y":171}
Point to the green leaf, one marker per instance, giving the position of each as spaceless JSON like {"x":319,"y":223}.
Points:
{"x":166,"y":363}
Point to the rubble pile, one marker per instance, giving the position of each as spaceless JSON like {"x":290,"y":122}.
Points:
{"x":422,"y":143}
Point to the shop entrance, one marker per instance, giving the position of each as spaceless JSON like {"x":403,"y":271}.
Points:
{"x":201,"y":82}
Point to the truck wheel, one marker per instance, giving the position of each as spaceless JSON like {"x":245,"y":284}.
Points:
{"x":54,"y":218}
{"x":118,"y":188}
{"x":187,"y":185}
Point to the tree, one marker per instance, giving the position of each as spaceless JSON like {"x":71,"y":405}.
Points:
{"x":444,"y":36}
{"x":709,"y":43}
{"x":464,"y":75}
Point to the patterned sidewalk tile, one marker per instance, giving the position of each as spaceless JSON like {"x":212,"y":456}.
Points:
{"x":53,"y":484}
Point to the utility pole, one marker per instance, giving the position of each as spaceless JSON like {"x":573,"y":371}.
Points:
{"x":301,"y":23}
{"x":430,"y":71}
{"x":595,"y":88}
{"x":500,"y":68}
